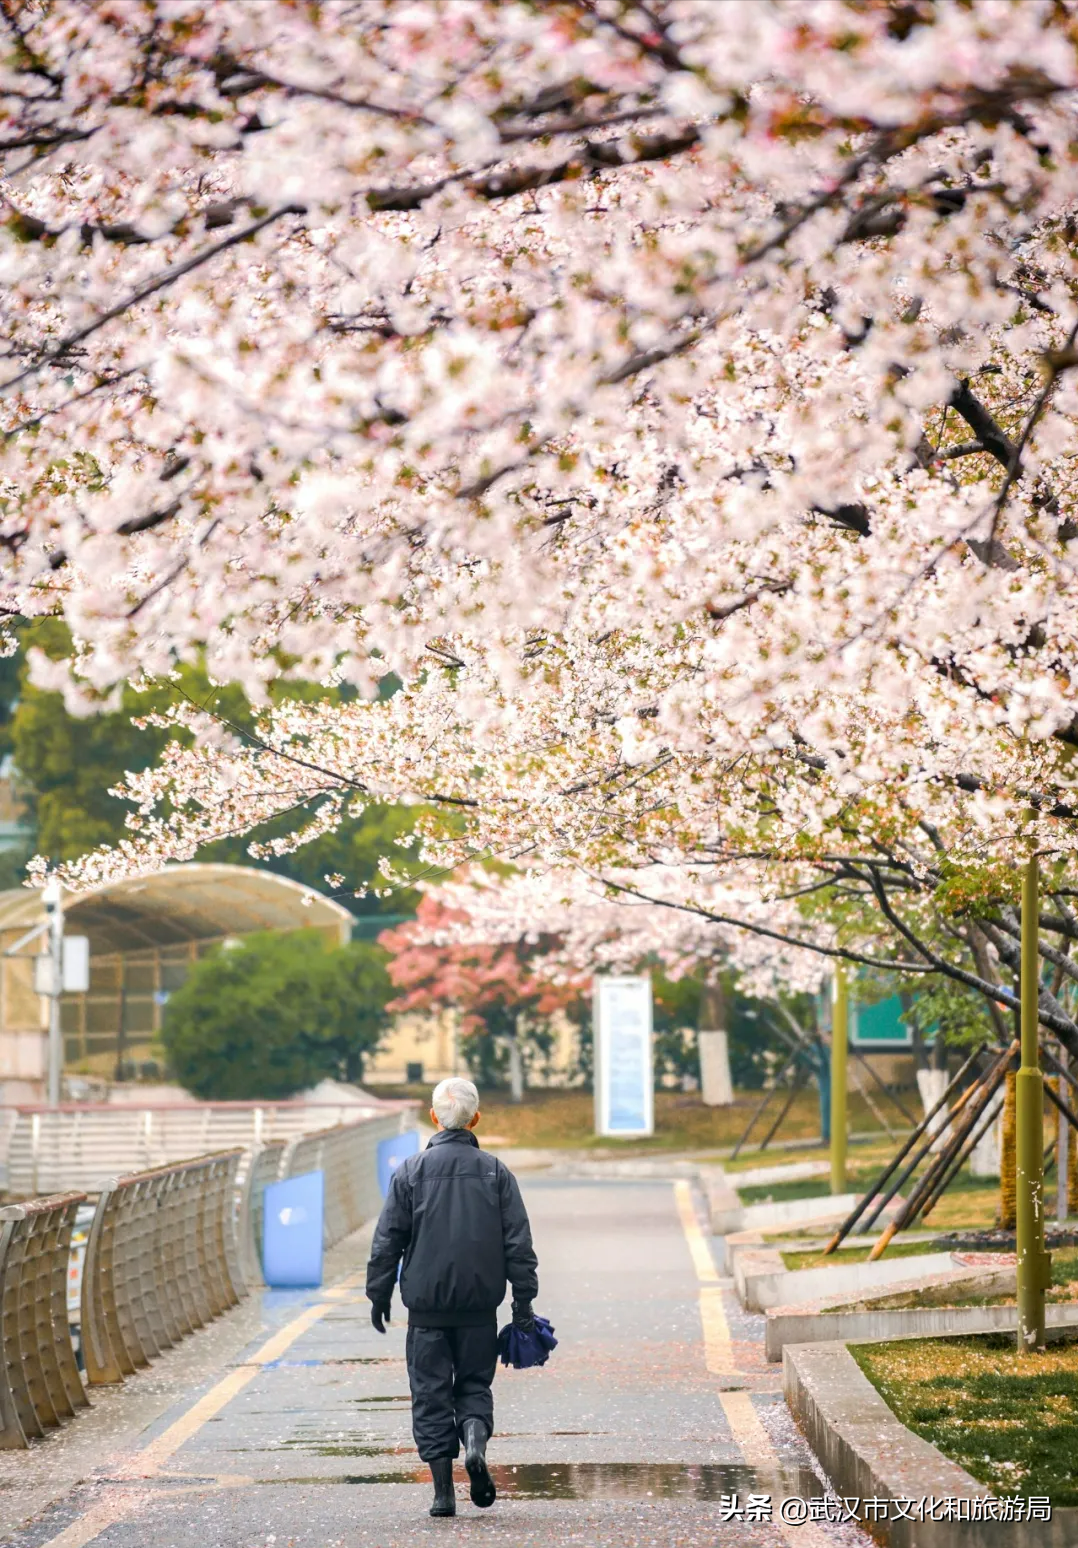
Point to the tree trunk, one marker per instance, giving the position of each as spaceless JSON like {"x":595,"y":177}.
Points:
{"x":516,"y":1066}
{"x":917,"y":1037}
{"x":716,"y":1086}
{"x":516,"y":1072}
{"x":1006,"y":1158}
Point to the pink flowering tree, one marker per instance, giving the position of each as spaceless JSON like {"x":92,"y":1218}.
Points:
{"x":496,"y":987}
{"x":673,"y":404}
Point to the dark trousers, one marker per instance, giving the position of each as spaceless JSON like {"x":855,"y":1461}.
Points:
{"x":450,"y":1371}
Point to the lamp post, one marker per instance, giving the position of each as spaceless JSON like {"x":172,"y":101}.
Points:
{"x":1033,"y":1262}
{"x":840,"y":1018}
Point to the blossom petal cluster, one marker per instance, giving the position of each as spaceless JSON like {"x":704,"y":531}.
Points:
{"x":658,"y":419}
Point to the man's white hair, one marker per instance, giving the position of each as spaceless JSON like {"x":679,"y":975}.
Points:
{"x":455,"y":1102}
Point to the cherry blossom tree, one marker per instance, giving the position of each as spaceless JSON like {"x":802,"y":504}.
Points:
{"x":496,"y":985}
{"x":576,"y":924}
{"x":673,"y":402}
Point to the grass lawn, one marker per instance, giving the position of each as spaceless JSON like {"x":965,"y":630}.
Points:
{"x":897,"y":1249}
{"x":970,"y":1203}
{"x":1011,"y":1420}
{"x":865,"y":1162}
{"x":778,"y":1193}
{"x":870,"y":1161}
{"x":559,"y":1118}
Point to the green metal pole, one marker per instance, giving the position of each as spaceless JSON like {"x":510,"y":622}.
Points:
{"x":840,"y":1027}
{"x":1034,"y":1264}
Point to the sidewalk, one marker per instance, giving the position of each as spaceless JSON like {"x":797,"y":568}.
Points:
{"x":655,"y":1411}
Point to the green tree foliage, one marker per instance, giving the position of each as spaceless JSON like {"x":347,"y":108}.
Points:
{"x":943,"y":1010}
{"x":66,"y":767}
{"x":11,"y":668}
{"x":353,"y":851}
{"x":275,"y":1015}
{"x":751,"y":1038}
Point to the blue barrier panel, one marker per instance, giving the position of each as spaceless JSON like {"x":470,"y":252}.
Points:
{"x":391,"y":1152}
{"x":292,"y":1232}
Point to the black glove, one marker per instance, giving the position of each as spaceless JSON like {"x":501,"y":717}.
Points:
{"x":523,"y":1316}
{"x":379,"y":1317}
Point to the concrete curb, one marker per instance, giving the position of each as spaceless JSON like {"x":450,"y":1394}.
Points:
{"x":723,"y":1203}
{"x":753,"y":1261}
{"x":820,"y":1209}
{"x":867,"y":1453}
{"x":793,"y":1287}
{"x":792,"y":1325}
{"x":784,"y":1172}
{"x":730,"y":1215}
{"x":843,"y":1316}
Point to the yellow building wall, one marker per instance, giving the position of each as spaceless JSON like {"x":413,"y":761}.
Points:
{"x":430,"y":1040}
{"x":24,"y":1016}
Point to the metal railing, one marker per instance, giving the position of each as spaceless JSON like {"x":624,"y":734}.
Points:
{"x":46,"y":1150}
{"x":168,"y":1250}
{"x":263,"y":1166}
{"x":161,"y":1261}
{"x":39,"y":1379}
{"x":348,"y":1156}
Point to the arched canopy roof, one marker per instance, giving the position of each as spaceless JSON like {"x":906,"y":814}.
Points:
{"x":179,"y":904}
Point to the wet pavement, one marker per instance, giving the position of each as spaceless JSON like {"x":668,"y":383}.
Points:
{"x":656,"y":1422}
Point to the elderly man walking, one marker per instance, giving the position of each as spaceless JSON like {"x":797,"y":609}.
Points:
{"x":455,"y":1216}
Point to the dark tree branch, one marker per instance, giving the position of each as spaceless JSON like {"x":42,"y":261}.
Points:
{"x":718,"y":612}
{"x":593,"y":157}
{"x":992,"y":437}
{"x":841,"y":953}
{"x":1009,"y":923}
{"x":853,"y":516}
{"x":941,"y":965}
{"x":150,"y":287}
{"x":1057,"y":363}
{"x":1050,"y":1012}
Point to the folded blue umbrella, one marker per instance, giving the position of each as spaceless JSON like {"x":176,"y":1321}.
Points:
{"x":525,"y":1347}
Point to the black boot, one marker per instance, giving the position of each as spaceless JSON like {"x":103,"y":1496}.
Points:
{"x":445,"y":1501}
{"x":475,"y":1462}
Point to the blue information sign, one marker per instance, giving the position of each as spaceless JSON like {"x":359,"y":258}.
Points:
{"x":292,"y":1232}
{"x":624,"y":1062}
{"x":391,"y":1152}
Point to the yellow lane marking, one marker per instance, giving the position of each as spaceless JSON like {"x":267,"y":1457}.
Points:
{"x":153,"y":1457}
{"x":718,"y":1350}
{"x":157,"y":1453}
{"x":699,"y":1251}
{"x":749,"y":1435}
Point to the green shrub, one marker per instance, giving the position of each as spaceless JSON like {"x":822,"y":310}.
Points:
{"x":276,"y":1014}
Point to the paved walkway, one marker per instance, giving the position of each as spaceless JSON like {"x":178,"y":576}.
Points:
{"x":656,"y":1410}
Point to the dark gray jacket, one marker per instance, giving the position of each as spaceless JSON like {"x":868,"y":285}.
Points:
{"x":455,"y":1215}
